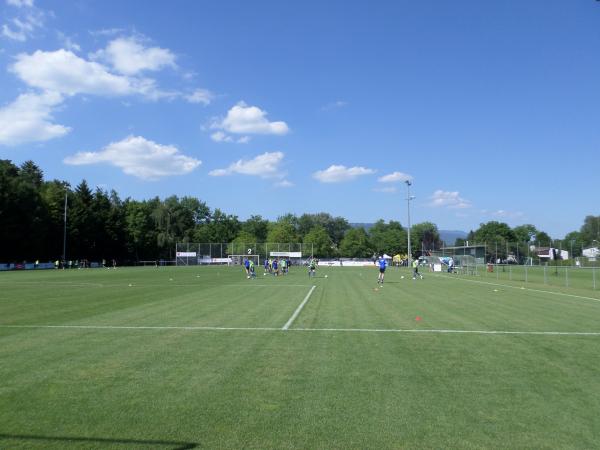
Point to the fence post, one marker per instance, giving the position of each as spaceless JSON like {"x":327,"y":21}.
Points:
{"x":525,"y":273}
{"x":567,"y":275}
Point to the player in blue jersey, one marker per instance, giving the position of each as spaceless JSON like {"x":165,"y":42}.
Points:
{"x":382,"y":263}
{"x":247,"y":267}
{"x":275,"y":267}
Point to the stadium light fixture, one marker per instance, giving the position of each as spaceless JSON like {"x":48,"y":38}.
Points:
{"x":408,"y":199}
{"x":64,"y":255}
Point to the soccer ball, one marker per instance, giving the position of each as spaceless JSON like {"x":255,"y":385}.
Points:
{"x":402,"y":277}
{"x":326,"y":276}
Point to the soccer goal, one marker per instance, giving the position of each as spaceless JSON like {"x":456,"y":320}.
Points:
{"x":237,"y":260}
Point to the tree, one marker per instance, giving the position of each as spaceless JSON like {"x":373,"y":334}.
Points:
{"x":256,"y":226}
{"x":282,"y":231}
{"x":387,"y":238}
{"x":141,"y":232}
{"x":573,"y":242}
{"x":80,"y":223}
{"x":335,"y":226}
{"x":590,"y":230}
{"x":496,"y":236}
{"x":524,"y":233}
{"x":356,"y":244}
{"x":425,"y":236}
{"x":320,"y":240}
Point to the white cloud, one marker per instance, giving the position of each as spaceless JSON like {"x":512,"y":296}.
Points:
{"x":129,"y":57}
{"x":64,"y":72}
{"x":244,"y":119}
{"x":203,"y":96}
{"x":219,"y":136}
{"x":267,"y":165}
{"x":449,"y":199}
{"x":139,"y":157}
{"x":68,"y":43}
{"x":29,"y":119}
{"x":23,"y":27}
{"x":20,"y":3}
{"x":395,"y":177}
{"x":336,"y":174}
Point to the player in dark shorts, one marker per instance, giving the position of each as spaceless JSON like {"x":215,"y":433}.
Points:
{"x":382,"y":263}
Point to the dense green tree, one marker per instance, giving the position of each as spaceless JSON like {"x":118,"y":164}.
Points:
{"x":590,"y":230}
{"x":282,"y":231}
{"x":387,"y":238}
{"x":524,"y":233}
{"x":256,"y":226}
{"x":356,"y":244}
{"x":574,"y":243}
{"x":425,"y":236}
{"x":320,"y":240}
{"x":336,"y":227}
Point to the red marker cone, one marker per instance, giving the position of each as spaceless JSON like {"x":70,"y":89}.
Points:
{"x":418,"y":318}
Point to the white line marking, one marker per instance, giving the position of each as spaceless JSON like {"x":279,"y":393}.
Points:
{"x":298,"y":309}
{"x":516,"y":287}
{"x":325,"y":330}
{"x":126,"y":327}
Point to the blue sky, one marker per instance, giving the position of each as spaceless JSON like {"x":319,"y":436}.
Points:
{"x":269,"y":107}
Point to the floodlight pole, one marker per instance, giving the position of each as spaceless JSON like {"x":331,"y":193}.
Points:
{"x":408,"y":199}
{"x":64,"y":253}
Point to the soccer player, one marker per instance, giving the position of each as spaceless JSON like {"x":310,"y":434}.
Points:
{"x":266,"y":266}
{"x":247,"y":267}
{"x":251,"y":271}
{"x":382,"y":263}
{"x":312,"y":267}
{"x":283,"y":266}
{"x":415,"y":265}
{"x":275,"y":267}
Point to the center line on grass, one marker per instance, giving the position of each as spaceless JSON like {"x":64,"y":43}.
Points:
{"x":298,"y":309}
{"x":317,"y":330}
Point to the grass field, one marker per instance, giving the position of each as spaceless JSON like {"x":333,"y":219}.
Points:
{"x":197,"y":357}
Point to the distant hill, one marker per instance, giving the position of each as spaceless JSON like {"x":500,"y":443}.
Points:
{"x":448,"y":236}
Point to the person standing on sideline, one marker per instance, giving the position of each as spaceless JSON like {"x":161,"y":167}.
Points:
{"x":382,"y":263}
{"x":415,"y":265}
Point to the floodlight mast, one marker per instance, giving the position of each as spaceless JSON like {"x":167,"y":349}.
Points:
{"x":64,"y":252}
{"x":408,"y":199}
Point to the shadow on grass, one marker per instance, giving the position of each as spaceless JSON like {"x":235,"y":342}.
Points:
{"x":65,"y":440}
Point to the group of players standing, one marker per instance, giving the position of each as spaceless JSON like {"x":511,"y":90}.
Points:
{"x":277,"y":267}
{"x":273,"y":267}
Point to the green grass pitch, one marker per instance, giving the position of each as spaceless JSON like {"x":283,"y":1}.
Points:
{"x":197,"y":357}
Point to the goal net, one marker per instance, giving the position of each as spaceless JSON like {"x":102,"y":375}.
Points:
{"x":237,"y":260}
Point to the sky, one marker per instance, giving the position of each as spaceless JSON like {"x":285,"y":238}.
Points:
{"x":490,"y":109}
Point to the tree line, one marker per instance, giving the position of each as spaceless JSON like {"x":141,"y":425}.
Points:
{"x":101,"y":225}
